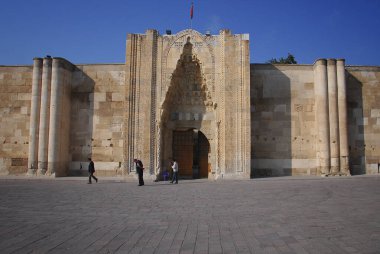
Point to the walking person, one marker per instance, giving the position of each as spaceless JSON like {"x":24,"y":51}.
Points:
{"x":175,"y":172}
{"x":139,"y":171}
{"x":91,"y":171}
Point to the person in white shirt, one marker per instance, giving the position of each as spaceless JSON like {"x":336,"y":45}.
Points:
{"x":175,"y":172}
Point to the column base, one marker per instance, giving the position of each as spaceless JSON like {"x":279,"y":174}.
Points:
{"x":336,"y":174}
{"x":49,"y":172}
{"x":31,"y":172}
{"x":41,"y":171}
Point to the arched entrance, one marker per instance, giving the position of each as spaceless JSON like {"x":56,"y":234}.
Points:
{"x":186,"y":110}
{"x":191,"y":150}
{"x":191,"y":84}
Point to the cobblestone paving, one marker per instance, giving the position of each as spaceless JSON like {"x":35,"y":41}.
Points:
{"x":274,"y":215}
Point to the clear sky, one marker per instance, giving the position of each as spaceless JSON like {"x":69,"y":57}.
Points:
{"x":94,"y":31}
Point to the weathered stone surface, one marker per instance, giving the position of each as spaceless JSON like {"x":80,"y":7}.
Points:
{"x":257,"y":119}
{"x":204,"y":87}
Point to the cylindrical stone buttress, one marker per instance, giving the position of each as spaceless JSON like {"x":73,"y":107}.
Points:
{"x":34,"y":115}
{"x":333,"y":116}
{"x":322,"y":116}
{"x":44,"y":116}
{"x":342,"y":108}
{"x":55,"y":115}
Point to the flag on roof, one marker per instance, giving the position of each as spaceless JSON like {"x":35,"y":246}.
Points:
{"x":192,"y":10}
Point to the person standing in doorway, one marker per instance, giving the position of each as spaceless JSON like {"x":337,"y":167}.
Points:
{"x":139,"y":171}
{"x":175,"y":171}
{"x":91,"y":171}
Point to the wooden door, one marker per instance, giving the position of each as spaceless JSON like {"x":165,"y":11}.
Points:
{"x":183,"y":152}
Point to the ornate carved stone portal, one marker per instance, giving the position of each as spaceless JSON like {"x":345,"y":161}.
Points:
{"x":188,"y":98}
{"x":185,"y":104}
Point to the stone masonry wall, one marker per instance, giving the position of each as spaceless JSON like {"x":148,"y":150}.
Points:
{"x":97,"y":118}
{"x":283,"y":120}
{"x":15,"y":95}
{"x":363,"y":88}
{"x":284,"y":125}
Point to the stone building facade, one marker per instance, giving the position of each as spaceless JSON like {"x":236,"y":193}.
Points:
{"x":195,"y":98}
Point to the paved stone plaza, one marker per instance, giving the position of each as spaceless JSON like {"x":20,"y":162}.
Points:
{"x":273,"y":215}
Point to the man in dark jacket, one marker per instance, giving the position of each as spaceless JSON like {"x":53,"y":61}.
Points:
{"x":139,"y":171}
{"x":91,"y":171}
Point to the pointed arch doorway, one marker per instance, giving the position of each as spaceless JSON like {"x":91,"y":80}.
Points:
{"x":191,"y":149}
{"x":186,"y":115}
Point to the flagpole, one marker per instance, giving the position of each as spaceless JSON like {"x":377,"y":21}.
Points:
{"x":191,"y":14}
